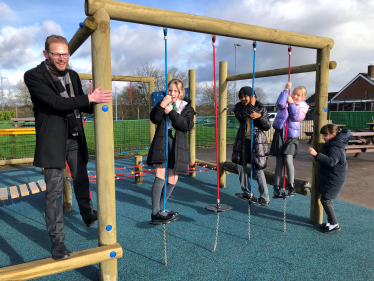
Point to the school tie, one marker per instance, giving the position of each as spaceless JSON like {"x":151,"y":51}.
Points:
{"x":172,"y":128}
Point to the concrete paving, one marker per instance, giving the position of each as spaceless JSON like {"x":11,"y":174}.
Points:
{"x":358,"y":189}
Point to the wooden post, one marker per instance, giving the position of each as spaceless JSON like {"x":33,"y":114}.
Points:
{"x":170,"y":77}
{"x":138,"y":162}
{"x":222,"y":87}
{"x":152,"y":127}
{"x":88,"y":76}
{"x":106,"y":201}
{"x":89,"y":26}
{"x":192,"y":96}
{"x":67,"y":192}
{"x":45,"y":267}
{"x":320,"y":119}
{"x":164,"y":18}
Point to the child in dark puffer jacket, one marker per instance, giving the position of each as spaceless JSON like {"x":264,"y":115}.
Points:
{"x":246,"y":110}
{"x":333,"y":171}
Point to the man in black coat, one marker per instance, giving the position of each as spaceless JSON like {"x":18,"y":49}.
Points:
{"x":58,"y":99}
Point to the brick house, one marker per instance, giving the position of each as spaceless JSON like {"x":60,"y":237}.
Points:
{"x":357,"y":95}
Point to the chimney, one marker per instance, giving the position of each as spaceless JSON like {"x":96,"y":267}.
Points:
{"x":371,"y":71}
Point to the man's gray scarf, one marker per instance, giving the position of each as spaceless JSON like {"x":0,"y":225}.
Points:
{"x":64,"y":86}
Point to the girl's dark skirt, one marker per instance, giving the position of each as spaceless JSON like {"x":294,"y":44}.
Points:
{"x":279,"y":147}
{"x":171,"y":154}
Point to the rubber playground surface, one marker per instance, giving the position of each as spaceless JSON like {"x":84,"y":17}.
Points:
{"x":301,"y":253}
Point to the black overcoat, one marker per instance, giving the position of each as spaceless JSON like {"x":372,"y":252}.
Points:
{"x":333,"y":170}
{"x":182,"y":123}
{"x":260,"y":150}
{"x":50,"y":110}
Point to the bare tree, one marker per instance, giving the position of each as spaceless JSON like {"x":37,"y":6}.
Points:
{"x":22,"y":94}
{"x":261,"y":95}
{"x":205,"y":99}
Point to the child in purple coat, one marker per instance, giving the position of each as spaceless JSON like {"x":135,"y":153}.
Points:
{"x":292,"y":108}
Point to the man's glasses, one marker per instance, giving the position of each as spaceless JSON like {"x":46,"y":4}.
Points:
{"x":56,"y":56}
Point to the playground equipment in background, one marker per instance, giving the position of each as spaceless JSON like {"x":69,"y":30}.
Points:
{"x":17,"y":131}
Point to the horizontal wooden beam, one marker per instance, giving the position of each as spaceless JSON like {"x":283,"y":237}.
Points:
{"x":89,"y":26}
{"x":279,"y":71}
{"x":164,"y":18}
{"x":87,"y":76}
{"x":302,"y":186}
{"x":45,"y":267}
{"x":16,"y":161}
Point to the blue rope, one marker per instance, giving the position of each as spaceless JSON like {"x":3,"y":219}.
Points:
{"x":253,"y":90}
{"x":167,"y":119}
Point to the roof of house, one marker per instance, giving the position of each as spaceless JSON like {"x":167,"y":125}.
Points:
{"x":362,"y":75}
{"x":311,"y":99}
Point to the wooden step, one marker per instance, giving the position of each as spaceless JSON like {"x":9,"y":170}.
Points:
{"x":13,"y":192}
{"x":23,"y":189}
{"x":3,"y":193}
{"x":33,"y":187}
{"x":42,"y":185}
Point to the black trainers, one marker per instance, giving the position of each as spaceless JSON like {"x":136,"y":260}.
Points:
{"x":262,"y":202}
{"x":59,"y":251}
{"x":291,"y":190}
{"x":92,"y":219}
{"x":277,"y":192}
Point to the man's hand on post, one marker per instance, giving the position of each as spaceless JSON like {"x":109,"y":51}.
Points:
{"x":100,"y":96}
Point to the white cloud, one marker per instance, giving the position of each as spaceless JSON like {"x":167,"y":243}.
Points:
{"x":21,"y":48}
{"x":7,"y":16}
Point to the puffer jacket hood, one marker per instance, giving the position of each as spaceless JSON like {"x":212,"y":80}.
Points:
{"x":340,"y":140}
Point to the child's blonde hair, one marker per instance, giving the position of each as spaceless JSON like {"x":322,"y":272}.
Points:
{"x":302,"y":88}
{"x":179,"y":84}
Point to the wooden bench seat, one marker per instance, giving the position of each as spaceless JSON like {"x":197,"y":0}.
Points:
{"x":309,"y":134}
{"x":359,"y":148}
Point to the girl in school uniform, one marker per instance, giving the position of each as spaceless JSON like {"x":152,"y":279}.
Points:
{"x":180,"y":120}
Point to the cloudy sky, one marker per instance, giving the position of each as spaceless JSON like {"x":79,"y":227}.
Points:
{"x":24,"y":25}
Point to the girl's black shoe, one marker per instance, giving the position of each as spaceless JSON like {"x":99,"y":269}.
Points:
{"x":163,"y":218}
{"x":291,"y":190}
{"x":328,"y":230}
{"x":277,"y":192}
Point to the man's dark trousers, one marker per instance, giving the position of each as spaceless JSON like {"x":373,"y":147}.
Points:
{"x":54,"y":217}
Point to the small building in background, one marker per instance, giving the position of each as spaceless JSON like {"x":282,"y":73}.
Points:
{"x":357,"y":95}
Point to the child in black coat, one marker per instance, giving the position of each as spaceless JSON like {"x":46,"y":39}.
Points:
{"x":180,"y":120}
{"x":246,"y":110}
{"x":333,"y":171}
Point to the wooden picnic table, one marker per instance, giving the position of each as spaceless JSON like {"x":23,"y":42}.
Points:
{"x":371,"y":126}
{"x":27,"y":119}
{"x":363,"y":142}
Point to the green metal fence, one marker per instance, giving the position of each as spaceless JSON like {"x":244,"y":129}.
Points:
{"x":352,"y":119}
{"x":128,"y":135}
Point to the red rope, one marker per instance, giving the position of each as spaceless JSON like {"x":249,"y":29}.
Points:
{"x":215,"y":109}
{"x":289,"y":93}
